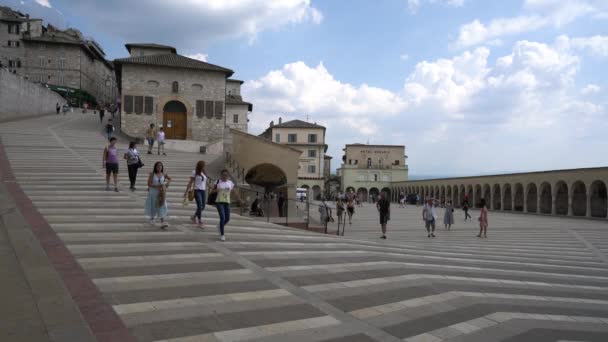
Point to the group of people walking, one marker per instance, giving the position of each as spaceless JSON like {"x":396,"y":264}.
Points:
{"x":158,"y":182}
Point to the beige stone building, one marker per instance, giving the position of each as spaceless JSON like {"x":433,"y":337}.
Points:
{"x":62,"y":59}
{"x":190,"y":99}
{"x":310,"y":139}
{"x":370,"y":169}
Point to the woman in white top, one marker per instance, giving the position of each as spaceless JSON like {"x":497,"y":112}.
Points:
{"x":199,"y":181}
{"x":224,"y":188}
{"x":132,"y":157}
{"x":160,"y":138}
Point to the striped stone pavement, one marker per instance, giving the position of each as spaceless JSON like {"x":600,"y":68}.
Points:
{"x":534,"y":279}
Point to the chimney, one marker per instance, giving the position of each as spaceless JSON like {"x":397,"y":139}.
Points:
{"x":271,"y":123}
{"x":280,"y":120}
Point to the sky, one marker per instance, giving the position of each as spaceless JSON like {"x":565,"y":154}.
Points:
{"x":468,"y":86}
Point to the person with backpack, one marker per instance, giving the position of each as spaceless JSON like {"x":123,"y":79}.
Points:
{"x":110,"y":163}
{"x":198,"y":185}
{"x":133,"y":163}
{"x":109,"y":129}
{"x":156,"y":202}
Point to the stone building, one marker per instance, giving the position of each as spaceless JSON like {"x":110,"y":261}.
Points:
{"x":310,"y":139}
{"x":189,"y":98}
{"x":370,"y":169}
{"x":62,"y":59}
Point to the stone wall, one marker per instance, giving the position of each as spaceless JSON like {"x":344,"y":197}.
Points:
{"x":21,"y":98}
{"x":156,"y":82}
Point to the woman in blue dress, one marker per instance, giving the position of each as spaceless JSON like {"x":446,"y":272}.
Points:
{"x":156,"y":203}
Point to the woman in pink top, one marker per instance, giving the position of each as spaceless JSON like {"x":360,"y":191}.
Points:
{"x":483,"y":219}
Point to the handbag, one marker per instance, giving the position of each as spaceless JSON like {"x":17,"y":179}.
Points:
{"x":212,"y":198}
{"x":140,"y":164}
{"x":191,"y":195}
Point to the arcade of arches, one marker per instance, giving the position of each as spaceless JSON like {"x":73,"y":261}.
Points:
{"x":577,"y":192}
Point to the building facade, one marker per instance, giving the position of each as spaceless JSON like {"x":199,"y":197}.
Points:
{"x":62,"y":59}
{"x":310,"y":139}
{"x":370,"y":169}
{"x":187,"y":97}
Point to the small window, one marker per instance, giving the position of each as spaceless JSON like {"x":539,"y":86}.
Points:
{"x":375,"y":178}
{"x":312,"y":138}
{"x":356,"y":161}
{"x":175,"y":87}
{"x":396,"y":162}
{"x":128,"y":104}
{"x":148,"y":104}
{"x":49,"y":61}
{"x":219,"y":109}
{"x":18,"y":64}
{"x":235,"y":118}
{"x":49,"y":78}
{"x":277,"y":137}
{"x":380,"y":161}
{"x":312,"y":169}
{"x":369,"y":162}
{"x":209,"y":109}
{"x":312,"y":153}
{"x":292,"y":138}
{"x":350,"y":162}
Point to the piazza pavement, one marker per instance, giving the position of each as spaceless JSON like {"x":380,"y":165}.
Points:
{"x":83,"y":264}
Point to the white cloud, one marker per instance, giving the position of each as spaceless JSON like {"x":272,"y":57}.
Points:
{"x":590,"y":89}
{"x":198,"y":56}
{"x":45,"y":3}
{"x":595,"y":45}
{"x":414,"y":5}
{"x":538,"y":14}
{"x":404,"y":57}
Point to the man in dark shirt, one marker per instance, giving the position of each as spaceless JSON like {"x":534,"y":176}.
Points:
{"x":384,"y":208}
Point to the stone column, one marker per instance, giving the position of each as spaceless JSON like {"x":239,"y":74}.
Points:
{"x":588,"y":213}
{"x":525,"y":202}
{"x":569,"y":205}
{"x":538,"y":204}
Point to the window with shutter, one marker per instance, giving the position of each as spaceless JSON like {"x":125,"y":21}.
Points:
{"x":200,"y":109}
{"x":148,"y":105}
{"x":128,"y":104}
{"x":209,"y":109}
{"x":139,"y":104}
{"x":219,"y":109}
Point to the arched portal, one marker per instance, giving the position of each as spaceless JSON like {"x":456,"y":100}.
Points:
{"x":266,"y":175}
{"x":598,"y":193}
{"x":455,"y":196}
{"x":496,"y":201}
{"x":519,"y":197}
{"x":561,"y":198}
{"x":478,"y":196}
{"x":487,"y":195}
{"x":175,"y":120}
{"x":448,"y":194}
{"x":305,"y":186}
{"x":373,"y":193}
{"x":350,"y":189}
{"x":507,"y":199}
{"x":462,"y":195}
{"x":388,"y":193}
{"x":362,"y":194}
{"x":579,"y":199}
{"x":546,"y":199}
{"x":532,"y":198}
{"x":470,"y":195}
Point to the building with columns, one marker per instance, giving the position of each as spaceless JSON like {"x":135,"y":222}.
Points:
{"x":310,"y":139}
{"x":190,"y":99}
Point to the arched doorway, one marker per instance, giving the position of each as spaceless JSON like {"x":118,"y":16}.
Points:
{"x":388,"y":193}
{"x":487,"y":195}
{"x":470,"y":195}
{"x":598,"y":199}
{"x":455,"y":197}
{"x":175,"y":120}
{"x":519,"y":197}
{"x":579,"y":199}
{"x":496,"y":199}
{"x":507,"y":200}
{"x":350,"y":189}
{"x":373,"y":193}
{"x":266,"y":175}
{"x":545,"y":198}
{"x":316,"y":192}
{"x":462,"y":195}
{"x":478,"y":196}
{"x":362,"y":194}
{"x":532,"y":198}
{"x":448,"y":194}
{"x":561,"y":198}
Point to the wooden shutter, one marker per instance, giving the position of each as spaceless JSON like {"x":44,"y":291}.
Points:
{"x":139,"y":104}
{"x":219,"y":109}
{"x":148,"y":105}
{"x":128,"y":104}
{"x":200,"y":109}
{"x":209,"y":109}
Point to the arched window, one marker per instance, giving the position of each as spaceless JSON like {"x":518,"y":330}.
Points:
{"x":369,"y":163}
{"x":175,"y":87}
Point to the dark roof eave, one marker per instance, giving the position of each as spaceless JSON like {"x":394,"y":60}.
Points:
{"x":119,"y":62}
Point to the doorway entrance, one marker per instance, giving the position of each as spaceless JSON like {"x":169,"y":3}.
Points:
{"x":175,"y":120}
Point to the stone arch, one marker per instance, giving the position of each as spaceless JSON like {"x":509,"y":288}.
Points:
{"x":579,"y":199}
{"x":388,"y":192}
{"x":462,"y":193}
{"x":598,"y":194}
{"x":507,"y":197}
{"x":373,"y":193}
{"x":362,"y":194}
{"x":316,"y":192}
{"x":487,"y":195}
{"x":532,"y":198}
{"x":175,"y":120}
{"x":455,"y":196}
{"x":546,"y":199}
{"x":561,"y":198}
{"x":478,"y":196}
{"x":470,"y":195}
{"x":496,"y":200}
{"x":519,"y":198}
{"x":266,"y":175}
{"x":350,"y":189}
{"x":437,"y":192}
{"x":448,"y":194}
{"x":305,"y":186}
